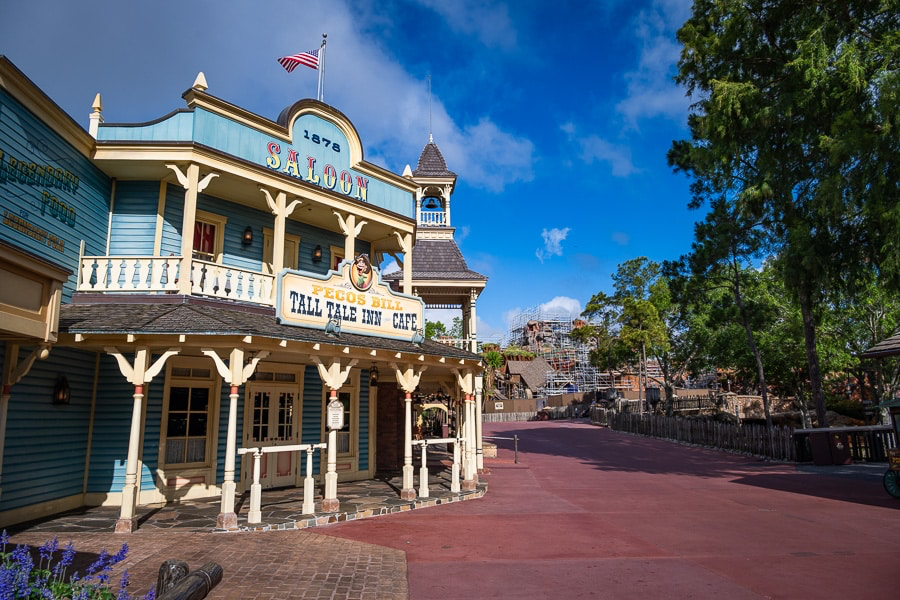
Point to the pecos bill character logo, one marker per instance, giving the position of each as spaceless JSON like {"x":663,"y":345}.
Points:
{"x":361,"y":275}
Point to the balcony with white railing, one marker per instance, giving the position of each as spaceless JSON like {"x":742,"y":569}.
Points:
{"x":432,"y":219}
{"x":161,"y":274}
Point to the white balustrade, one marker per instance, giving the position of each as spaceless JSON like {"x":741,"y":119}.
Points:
{"x":230,"y":283}
{"x":432,"y":219}
{"x":158,"y":274}
{"x":423,"y":470}
{"x":128,"y":274}
{"x":254,"y":515}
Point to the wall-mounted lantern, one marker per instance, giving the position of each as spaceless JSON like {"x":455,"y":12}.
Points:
{"x":61,"y":390}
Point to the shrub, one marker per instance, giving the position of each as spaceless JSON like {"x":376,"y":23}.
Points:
{"x":21,"y":578}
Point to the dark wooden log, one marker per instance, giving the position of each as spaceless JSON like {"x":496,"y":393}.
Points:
{"x":196,"y":584}
{"x":170,"y":573}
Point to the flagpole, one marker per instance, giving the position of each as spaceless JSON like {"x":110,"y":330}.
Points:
{"x":321,"y":91}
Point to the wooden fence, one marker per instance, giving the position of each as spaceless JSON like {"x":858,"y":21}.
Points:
{"x":507,"y":417}
{"x":754,"y":439}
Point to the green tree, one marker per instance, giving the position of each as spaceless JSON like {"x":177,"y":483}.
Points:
{"x":630,"y":322}
{"x":795,"y":120}
{"x":721,"y":257}
{"x":434,"y":329}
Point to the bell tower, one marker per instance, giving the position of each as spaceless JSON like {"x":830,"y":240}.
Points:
{"x":440,"y":275}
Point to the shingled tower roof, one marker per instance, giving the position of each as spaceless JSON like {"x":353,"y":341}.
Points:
{"x":432,"y":163}
{"x":437,"y":259}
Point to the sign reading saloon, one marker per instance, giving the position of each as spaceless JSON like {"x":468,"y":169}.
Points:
{"x":353,"y":299}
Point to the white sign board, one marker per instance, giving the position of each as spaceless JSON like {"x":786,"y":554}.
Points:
{"x":354,"y":301}
{"x":335,"y":415}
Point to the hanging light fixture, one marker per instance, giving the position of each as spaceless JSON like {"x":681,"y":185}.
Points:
{"x":61,"y":390}
{"x":247,"y":238}
{"x":317,"y":254}
{"x":373,"y":375}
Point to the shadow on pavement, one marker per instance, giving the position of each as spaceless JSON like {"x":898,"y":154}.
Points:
{"x":604,"y":449}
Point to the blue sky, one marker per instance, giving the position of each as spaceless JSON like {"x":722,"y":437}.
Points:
{"x":556,"y":116}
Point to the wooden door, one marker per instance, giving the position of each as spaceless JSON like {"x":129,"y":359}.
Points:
{"x":272,"y":420}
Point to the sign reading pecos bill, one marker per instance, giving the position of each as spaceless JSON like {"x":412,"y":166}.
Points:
{"x":353,"y":298}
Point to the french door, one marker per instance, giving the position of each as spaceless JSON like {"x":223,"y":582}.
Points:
{"x":271,"y":420}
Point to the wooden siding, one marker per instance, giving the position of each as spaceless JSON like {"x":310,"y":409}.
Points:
{"x":134,"y":218}
{"x":173,"y":217}
{"x":364,"y":420}
{"x":239,"y":217}
{"x":112,"y":426}
{"x":26,"y":139}
{"x":312,"y":413}
{"x":152,"y":430}
{"x":46,"y":444}
{"x":176,"y":127}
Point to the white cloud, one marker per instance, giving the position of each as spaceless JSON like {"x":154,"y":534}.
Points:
{"x":553,"y":239}
{"x":621,"y":238}
{"x":594,"y":148}
{"x":488,"y":22}
{"x":389,"y":266}
{"x":562,"y":305}
{"x":488,"y":333}
{"x":651,"y":89}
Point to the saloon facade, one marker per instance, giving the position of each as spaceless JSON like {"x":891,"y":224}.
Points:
{"x":179,"y":290}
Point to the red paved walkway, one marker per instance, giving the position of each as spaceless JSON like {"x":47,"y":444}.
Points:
{"x":588,"y":513}
{"x":591,"y":513}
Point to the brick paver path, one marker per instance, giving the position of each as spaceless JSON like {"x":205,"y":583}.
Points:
{"x":257,"y":565}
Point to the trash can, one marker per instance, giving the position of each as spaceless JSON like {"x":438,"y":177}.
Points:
{"x":820,"y":447}
{"x":839,"y":442}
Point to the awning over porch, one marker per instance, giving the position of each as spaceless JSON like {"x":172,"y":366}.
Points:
{"x":102,"y":316}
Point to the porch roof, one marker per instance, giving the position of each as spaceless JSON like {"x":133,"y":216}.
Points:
{"x":887,"y":347}
{"x":174,"y":314}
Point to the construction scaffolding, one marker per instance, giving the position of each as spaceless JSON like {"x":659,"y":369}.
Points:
{"x":547,"y":335}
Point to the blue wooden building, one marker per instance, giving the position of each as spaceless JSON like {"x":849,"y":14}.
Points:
{"x":175,"y":291}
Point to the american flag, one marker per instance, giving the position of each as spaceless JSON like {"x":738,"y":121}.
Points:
{"x":310,"y":59}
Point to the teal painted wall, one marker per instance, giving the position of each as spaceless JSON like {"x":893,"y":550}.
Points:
{"x":48,"y":216}
{"x":112,"y":426}
{"x":237,"y":139}
{"x":364,"y":423}
{"x":312,"y":413}
{"x":238,"y":218}
{"x":134,"y":218}
{"x":152,"y":429}
{"x":46,"y":444}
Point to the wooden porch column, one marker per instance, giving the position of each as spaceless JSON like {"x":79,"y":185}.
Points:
{"x":479,"y":399}
{"x":467,"y":385}
{"x":192,"y":185}
{"x":351,"y":230}
{"x":234,"y":374}
{"x":471,"y":330}
{"x":334,"y":376}
{"x":408,"y":378}
{"x":138,"y":374}
{"x":282,"y":211}
{"x":406,"y":246}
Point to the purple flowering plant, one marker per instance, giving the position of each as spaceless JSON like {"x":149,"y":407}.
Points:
{"x":21,"y":578}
